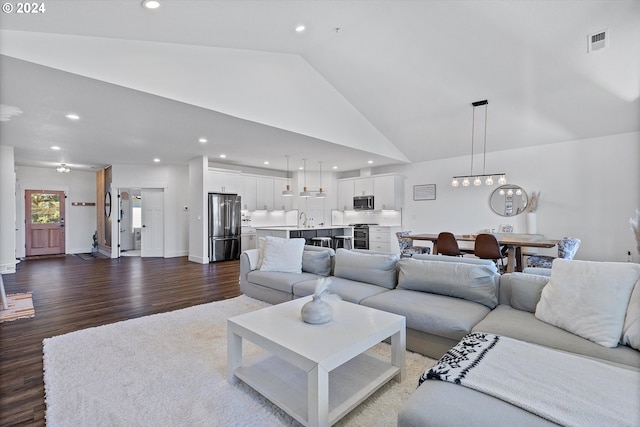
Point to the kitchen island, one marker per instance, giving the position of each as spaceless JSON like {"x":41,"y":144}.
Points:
{"x":292,"y":232}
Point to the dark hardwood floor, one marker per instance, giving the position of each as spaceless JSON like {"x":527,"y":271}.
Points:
{"x":70,"y":293}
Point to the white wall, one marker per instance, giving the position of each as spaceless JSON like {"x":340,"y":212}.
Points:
{"x":174,"y":180}
{"x":7,"y":211}
{"x":589,"y":189}
{"x":198,"y":211}
{"x":80,"y":221}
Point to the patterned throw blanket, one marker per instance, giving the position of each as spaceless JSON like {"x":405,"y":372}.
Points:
{"x":561,"y":387}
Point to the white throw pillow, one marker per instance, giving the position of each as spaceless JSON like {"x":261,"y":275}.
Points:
{"x":631,"y":328}
{"x":589,"y":299}
{"x":283,"y":255}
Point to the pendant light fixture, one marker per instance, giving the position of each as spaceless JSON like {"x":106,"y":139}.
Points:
{"x":305,"y":193}
{"x":477,"y":179}
{"x":63,"y":168}
{"x":287,"y":191}
{"x":321,"y":194}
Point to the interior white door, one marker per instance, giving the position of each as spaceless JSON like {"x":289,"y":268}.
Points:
{"x":152,"y":222}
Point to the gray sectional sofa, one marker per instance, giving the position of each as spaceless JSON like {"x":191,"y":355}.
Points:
{"x":443,"y":299}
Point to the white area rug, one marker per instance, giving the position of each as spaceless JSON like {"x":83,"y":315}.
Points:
{"x":170,"y":370}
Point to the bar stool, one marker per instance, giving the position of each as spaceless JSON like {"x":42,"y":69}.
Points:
{"x":322,"y":241}
{"x":342,"y":242}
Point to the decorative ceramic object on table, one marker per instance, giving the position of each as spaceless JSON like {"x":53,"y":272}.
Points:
{"x":318,"y":311}
{"x":532,"y":207}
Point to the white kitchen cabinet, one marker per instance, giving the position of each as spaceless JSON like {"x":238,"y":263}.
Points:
{"x":264,"y":199}
{"x":223,"y":182}
{"x":280,"y":202}
{"x":248,"y":240}
{"x":345,"y":194}
{"x":363,"y":187}
{"x":248,"y":192}
{"x":383,"y":239}
{"x":388,"y":191}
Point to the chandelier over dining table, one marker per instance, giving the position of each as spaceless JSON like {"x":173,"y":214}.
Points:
{"x":477,"y":178}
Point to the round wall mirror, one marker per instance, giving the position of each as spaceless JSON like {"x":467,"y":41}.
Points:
{"x":107,"y":204}
{"x":508,"y":200}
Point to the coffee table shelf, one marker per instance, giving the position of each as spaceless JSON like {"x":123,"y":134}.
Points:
{"x":316,"y":373}
{"x":286,"y":385}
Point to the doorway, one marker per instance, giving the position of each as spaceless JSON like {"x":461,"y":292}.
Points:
{"x":141,"y":222}
{"x":44,"y":218}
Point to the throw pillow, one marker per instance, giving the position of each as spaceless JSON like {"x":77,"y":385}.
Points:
{"x":589,"y":299}
{"x":375,"y":268}
{"x":526,"y":290}
{"x":316,"y":262}
{"x":472,"y":282}
{"x":631,"y":328}
{"x":283,"y":255}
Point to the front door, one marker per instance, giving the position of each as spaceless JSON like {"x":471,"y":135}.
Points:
{"x":44,"y":213}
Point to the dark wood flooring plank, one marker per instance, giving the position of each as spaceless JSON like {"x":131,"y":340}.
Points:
{"x":70,"y":294}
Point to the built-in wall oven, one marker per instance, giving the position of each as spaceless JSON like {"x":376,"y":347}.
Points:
{"x":360,"y":236}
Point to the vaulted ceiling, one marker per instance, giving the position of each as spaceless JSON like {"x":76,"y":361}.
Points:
{"x":382,"y":81}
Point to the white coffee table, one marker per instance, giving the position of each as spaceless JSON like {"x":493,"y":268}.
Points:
{"x":316,"y":373}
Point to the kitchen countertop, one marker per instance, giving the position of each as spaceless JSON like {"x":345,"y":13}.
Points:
{"x":295,"y":228}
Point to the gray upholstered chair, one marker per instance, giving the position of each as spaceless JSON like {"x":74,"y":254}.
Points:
{"x":406,"y":245}
{"x":567,"y":248}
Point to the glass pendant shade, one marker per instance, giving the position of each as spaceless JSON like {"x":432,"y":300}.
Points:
{"x":477,"y":182}
{"x":502,"y":180}
{"x":489,"y":180}
{"x":455,"y":182}
{"x":287,"y":192}
{"x":465,"y":182}
{"x":305,"y":193}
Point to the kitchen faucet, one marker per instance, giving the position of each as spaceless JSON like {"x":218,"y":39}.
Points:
{"x":304,"y":224}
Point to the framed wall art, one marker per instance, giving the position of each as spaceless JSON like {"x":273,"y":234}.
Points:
{"x":424,"y":192}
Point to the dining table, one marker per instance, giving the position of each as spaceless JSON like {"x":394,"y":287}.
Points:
{"x":514,"y":242}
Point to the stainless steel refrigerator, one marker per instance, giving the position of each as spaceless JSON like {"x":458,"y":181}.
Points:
{"x":224,"y":227}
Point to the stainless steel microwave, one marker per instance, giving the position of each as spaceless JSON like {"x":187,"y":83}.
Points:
{"x":363,"y":203}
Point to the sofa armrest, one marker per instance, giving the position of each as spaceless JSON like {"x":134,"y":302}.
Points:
{"x":251,"y":257}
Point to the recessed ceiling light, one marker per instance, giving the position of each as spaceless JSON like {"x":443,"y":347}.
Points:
{"x":72,"y":116}
{"x":202,"y":140}
{"x":300,"y":28}
{"x":156,"y":160}
{"x":370,"y":161}
{"x":54,"y":147}
{"x":335,"y":167}
{"x":151,"y":4}
{"x":223,"y":156}
{"x":266,"y":162}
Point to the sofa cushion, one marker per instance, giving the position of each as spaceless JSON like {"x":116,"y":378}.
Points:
{"x":477,"y":283}
{"x":316,"y":262}
{"x":522,"y":325}
{"x":589,"y":298}
{"x":348,"y":290}
{"x":279,"y":281}
{"x":435,"y":314}
{"x":526,"y":290}
{"x":377,"y":269}
{"x":283,"y":255}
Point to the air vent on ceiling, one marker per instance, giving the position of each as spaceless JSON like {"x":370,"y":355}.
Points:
{"x":598,"y":41}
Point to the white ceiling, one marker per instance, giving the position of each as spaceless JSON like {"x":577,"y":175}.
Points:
{"x":387,"y":81}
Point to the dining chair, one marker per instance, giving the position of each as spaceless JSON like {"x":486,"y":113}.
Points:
{"x":567,"y":248}
{"x":448,"y":245}
{"x":406,"y":245}
{"x":486,"y":247}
